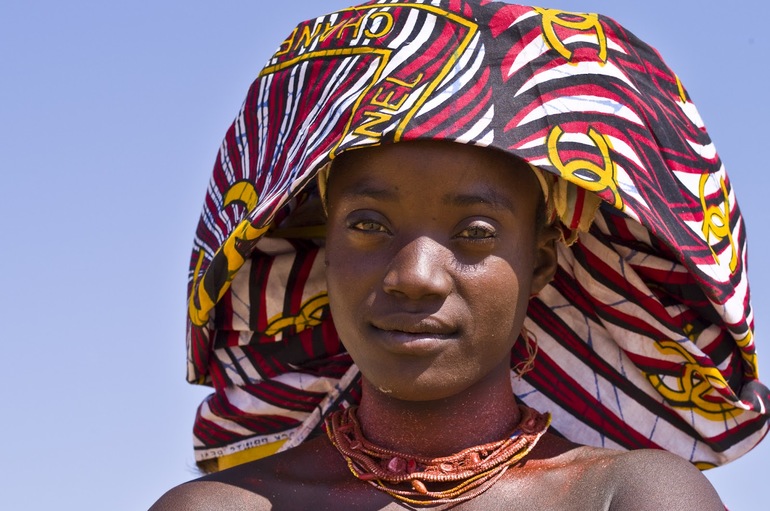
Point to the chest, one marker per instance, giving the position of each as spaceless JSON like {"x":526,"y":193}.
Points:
{"x":564,"y":489}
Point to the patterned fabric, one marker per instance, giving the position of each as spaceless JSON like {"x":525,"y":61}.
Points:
{"x":646,"y":334}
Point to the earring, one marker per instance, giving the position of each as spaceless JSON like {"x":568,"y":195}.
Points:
{"x":528,"y":363}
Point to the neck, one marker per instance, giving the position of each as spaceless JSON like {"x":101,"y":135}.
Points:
{"x":483,"y":413}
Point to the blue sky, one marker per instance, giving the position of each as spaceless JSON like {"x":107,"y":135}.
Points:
{"x":110,"y":119}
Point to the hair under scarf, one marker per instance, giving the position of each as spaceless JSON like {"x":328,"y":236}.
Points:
{"x":645,"y":336}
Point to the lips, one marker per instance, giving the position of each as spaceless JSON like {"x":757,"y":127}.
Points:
{"x":410,"y":335}
{"x":413,"y":324}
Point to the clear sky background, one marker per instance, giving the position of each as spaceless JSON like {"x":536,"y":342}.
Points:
{"x":111,"y":114}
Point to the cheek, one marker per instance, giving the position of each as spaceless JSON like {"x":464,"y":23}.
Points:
{"x":339,"y":276}
{"x":498,"y":301}
{"x":348,"y":271}
{"x":350,"y":279}
{"x":342,"y":301}
{"x":351,"y":264}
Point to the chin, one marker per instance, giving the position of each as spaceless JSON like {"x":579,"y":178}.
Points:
{"x":418,"y":389}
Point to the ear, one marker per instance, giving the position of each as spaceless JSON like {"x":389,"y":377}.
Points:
{"x":546,"y":258}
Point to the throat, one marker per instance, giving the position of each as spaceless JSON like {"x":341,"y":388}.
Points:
{"x":479,"y":415}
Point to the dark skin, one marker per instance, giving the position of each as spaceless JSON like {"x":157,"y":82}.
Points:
{"x":429,"y":280}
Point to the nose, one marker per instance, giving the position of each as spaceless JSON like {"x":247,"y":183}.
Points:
{"x":420,"y":269}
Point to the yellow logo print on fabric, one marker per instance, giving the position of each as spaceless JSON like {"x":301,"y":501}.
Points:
{"x":309,"y":315}
{"x":746,"y":344}
{"x":552,"y":18}
{"x":716,"y":221}
{"x":200,"y":302}
{"x":585,"y":173}
{"x":691,"y":389}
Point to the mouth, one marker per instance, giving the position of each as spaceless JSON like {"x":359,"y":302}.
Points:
{"x":413,"y":337}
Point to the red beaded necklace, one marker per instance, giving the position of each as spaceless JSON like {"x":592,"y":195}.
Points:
{"x":404,"y":477}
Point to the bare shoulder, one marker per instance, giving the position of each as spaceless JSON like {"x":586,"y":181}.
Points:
{"x":654,"y":479}
{"x":203,"y":495}
{"x":244,"y":487}
{"x":307,"y":473}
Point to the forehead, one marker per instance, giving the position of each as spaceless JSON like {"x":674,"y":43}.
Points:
{"x":441,"y":170}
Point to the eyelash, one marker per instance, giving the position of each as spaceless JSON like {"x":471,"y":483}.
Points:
{"x":373,"y":226}
{"x":488,"y":233}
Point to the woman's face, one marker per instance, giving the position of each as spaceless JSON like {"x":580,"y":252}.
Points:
{"x":432,"y":255}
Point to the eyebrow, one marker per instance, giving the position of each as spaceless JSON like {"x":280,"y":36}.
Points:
{"x":489,"y":197}
{"x":370,"y":190}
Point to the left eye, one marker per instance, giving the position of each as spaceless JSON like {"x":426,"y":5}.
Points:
{"x":477,"y":232}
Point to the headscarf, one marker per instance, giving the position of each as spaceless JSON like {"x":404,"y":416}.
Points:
{"x":644,"y":337}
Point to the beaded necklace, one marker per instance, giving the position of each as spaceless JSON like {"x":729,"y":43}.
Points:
{"x":404,"y":477}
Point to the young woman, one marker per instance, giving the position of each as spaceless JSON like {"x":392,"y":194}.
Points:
{"x":504,"y":186}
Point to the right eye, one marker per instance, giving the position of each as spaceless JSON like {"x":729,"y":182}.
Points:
{"x":368,"y":226}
